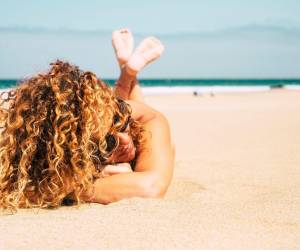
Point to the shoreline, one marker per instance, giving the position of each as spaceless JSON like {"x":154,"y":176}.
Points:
{"x":199,"y":90}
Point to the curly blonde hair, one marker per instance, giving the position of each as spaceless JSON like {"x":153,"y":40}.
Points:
{"x":53,"y":138}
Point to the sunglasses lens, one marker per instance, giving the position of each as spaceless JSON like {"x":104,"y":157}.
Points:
{"x":116,"y":119}
{"x":111,"y":142}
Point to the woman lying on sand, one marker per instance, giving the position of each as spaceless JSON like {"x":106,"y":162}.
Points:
{"x":66,"y":134}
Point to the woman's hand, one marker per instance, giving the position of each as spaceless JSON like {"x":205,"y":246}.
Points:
{"x":119,"y":168}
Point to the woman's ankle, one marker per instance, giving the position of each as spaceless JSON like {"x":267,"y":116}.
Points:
{"x":130,"y":72}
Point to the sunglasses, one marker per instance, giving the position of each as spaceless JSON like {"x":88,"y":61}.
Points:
{"x":112,"y":141}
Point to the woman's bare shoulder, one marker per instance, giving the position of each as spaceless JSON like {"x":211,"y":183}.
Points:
{"x":142,"y":112}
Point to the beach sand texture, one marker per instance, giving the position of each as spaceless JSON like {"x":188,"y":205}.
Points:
{"x":236,"y":185}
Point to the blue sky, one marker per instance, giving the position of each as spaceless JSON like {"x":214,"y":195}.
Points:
{"x":203,"y":38}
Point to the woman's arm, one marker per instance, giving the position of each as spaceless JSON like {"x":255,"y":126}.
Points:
{"x":154,"y":167}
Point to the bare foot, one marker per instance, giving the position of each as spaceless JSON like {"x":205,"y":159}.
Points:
{"x":122,"y":41}
{"x":149,"y":50}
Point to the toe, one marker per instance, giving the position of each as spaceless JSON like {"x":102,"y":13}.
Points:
{"x":125,"y":30}
{"x":154,"y":39}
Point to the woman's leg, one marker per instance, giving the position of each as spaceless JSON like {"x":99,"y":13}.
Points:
{"x":127,"y":87}
{"x":150,"y":49}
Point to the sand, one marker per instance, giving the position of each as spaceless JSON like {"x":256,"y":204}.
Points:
{"x":236,"y":185}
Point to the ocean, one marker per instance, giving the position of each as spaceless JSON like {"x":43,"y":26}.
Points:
{"x":197,"y":86}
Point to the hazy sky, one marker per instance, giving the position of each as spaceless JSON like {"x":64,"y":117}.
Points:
{"x":203,"y":38}
{"x":149,"y":16}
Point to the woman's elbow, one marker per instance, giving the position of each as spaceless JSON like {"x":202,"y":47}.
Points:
{"x":154,"y":189}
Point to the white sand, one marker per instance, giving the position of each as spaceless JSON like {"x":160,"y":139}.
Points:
{"x":236,"y":185}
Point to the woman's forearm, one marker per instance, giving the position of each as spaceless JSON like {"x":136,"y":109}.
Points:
{"x":120,"y":186}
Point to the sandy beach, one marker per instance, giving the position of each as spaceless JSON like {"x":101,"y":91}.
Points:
{"x":236,"y":185}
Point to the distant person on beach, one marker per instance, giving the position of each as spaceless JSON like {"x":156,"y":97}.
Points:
{"x":66,"y":134}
